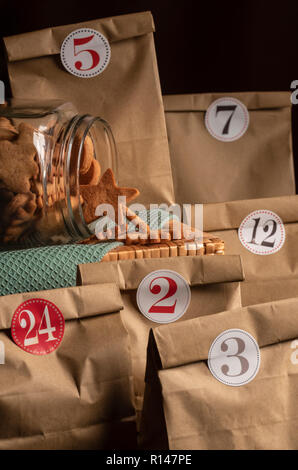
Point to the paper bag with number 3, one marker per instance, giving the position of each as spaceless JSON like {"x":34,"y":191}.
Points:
{"x":214,"y":286}
{"x":126,"y":93}
{"x":73,"y":395}
{"x":242,"y":151}
{"x":188,"y":407}
{"x":268,"y":229}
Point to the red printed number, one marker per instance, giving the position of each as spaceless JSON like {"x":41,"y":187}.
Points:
{"x":156,"y":290}
{"x":95,"y":56}
{"x":49,"y":330}
{"x":37,"y":326}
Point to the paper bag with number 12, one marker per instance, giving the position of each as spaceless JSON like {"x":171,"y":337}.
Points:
{"x":272,"y":276}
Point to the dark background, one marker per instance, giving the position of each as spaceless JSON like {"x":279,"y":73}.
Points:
{"x":201,"y":46}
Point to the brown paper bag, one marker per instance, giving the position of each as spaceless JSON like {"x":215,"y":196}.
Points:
{"x":258,"y":164}
{"x":126,"y":94}
{"x":214,"y":287}
{"x":270,"y":277}
{"x":186,"y":407}
{"x":78,"y":396}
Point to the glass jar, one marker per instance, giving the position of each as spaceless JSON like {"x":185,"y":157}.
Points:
{"x":47,"y":150}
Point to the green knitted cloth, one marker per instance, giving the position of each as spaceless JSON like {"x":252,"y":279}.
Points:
{"x":51,"y":267}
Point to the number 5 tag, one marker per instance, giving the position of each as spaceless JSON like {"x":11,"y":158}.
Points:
{"x":85,"y":53}
{"x":163,"y":296}
{"x":234,"y":358}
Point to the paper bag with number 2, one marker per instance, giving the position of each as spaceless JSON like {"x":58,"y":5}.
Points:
{"x":213,"y":282}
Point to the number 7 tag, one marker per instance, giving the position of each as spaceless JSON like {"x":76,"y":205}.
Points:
{"x":227,"y":119}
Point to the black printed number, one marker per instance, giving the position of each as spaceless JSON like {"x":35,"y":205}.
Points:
{"x":222,"y":108}
{"x":243,"y":361}
{"x":269,"y":224}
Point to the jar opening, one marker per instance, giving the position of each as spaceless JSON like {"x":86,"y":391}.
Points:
{"x":89,"y":149}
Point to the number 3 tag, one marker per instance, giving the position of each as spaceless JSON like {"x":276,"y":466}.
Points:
{"x":37,"y":326}
{"x":234,"y":358}
{"x":227,"y":119}
{"x":262,"y":232}
{"x":85,"y":53}
{"x":163,"y":296}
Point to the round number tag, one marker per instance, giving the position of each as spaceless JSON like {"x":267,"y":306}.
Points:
{"x":262,"y":232}
{"x":163,"y":296}
{"x":227,"y":119}
{"x":85,"y":53}
{"x":37,"y":326}
{"x":234,"y":358}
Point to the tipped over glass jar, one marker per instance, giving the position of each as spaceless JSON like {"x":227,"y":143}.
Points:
{"x":47,"y":150}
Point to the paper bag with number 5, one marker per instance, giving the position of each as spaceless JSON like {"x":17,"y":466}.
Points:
{"x":213,"y":283}
{"x":66,"y":378}
{"x":188,"y":407}
{"x":126,"y":91}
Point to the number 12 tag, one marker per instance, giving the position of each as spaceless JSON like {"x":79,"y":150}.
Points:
{"x":163,"y":296}
{"x":262,"y":232}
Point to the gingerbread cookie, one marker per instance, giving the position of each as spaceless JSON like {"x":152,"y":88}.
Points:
{"x":18,"y":216}
{"x":92,"y":176}
{"x":7,"y":130}
{"x":17,"y":164}
{"x":87,"y":155}
{"x":105,"y":192}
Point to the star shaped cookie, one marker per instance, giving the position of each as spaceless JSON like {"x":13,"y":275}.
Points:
{"x":7,"y":130}
{"x":17,"y":165}
{"x":105,"y":192}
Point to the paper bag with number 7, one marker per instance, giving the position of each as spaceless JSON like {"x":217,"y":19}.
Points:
{"x":192,"y":409}
{"x":227,"y":166}
{"x":214,"y":286}
{"x":78,"y":395}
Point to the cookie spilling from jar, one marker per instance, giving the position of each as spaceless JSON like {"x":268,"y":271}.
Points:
{"x":28,"y":198}
{"x":28,"y":194}
{"x":24,"y":195}
{"x":18,"y":167}
{"x":174,"y":238}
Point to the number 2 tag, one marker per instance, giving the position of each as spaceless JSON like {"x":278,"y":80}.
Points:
{"x":85,"y":53}
{"x":262,"y":232}
{"x":234,"y":357}
{"x":37,"y":326}
{"x":163,"y":296}
{"x":227,"y":119}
